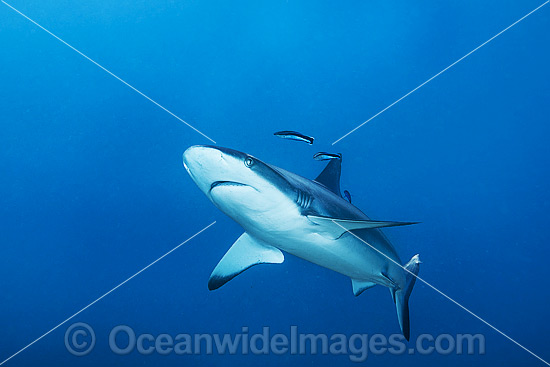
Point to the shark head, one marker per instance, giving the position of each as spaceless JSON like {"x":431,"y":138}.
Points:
{"x":240,"y":185}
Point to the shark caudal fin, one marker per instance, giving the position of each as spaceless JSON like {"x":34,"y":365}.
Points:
{"x":401,"y":297}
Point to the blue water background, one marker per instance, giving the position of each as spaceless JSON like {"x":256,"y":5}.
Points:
{"x":92,"y":186}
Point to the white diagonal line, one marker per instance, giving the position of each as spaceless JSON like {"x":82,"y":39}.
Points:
{"x":442,"y":71}
{"x":109,"y":292}
{"x":110,"y":73}
{"x":443,"y":294}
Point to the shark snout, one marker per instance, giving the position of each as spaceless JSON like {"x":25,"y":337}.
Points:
{"x":200,"y":156}
{"x":205,"y":164}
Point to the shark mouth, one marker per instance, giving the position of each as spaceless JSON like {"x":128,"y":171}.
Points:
{"x":225,"y":183}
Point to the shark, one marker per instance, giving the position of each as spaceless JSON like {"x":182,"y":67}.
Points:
{"x":283,"y":212}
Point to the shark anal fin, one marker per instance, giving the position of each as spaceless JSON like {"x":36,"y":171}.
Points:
{"x":359,"y":286}
{"x":244,"y":253}
{"x":335,"y":228}
{"x":330,"y":176}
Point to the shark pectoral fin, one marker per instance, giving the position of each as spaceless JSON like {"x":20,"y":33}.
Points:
{"x":244,"y":253}
{"x":359,"y":286}
{"x":335,"y":228}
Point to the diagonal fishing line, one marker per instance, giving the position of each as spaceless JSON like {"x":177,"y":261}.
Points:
{"x":107,"y":293}
{"x":441,"y":72}
{"x":109,"y":72}
{"x":444,"y":295}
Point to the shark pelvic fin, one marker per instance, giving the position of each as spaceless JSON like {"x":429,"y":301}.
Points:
{"x":244,"y":253}
{"x":330,"y":176}
{"x":335,"y":228}
{"x":359,"y":286}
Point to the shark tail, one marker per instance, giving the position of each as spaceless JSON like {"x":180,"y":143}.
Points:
{"x":401,"y":296}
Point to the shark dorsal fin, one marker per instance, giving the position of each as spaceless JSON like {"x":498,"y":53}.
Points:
{"x":330,"y":177}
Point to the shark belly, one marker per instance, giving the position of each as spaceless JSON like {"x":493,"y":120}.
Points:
{"x":346,"y":255}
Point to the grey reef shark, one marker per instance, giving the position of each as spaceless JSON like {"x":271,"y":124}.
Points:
{"x":283,"y":212}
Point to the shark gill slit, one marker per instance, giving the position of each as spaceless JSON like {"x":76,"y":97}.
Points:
{"x":303,"y":200}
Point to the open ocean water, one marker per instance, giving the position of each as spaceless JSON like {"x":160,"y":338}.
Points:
{"x":92,"y":186}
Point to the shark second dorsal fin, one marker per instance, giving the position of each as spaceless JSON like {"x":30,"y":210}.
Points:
{"x":334,"y":228}
{"x":330,"y":177}
{"x":244,"y":253}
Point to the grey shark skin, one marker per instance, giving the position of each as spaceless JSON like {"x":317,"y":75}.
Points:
{"x":280,"y":210}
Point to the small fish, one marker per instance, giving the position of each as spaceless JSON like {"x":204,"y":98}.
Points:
{"x":293,"y":135}
{"x":324,"y":156}
{"x":347,"y":195}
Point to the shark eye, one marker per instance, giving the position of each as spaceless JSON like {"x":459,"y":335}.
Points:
{"x":248,"y":162}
